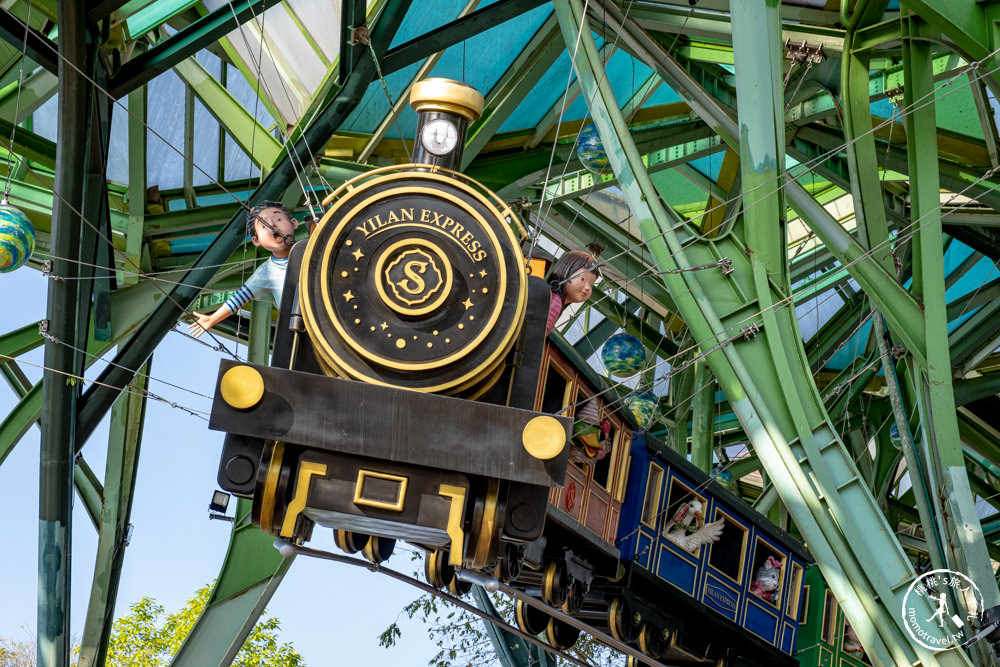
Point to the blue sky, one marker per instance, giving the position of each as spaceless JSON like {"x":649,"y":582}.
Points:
{"x":332,"y":613}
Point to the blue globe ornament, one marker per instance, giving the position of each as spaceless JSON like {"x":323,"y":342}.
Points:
{"x":895,"y":438}
{"x":623,"y":355}
{"x":591,"y":151}
{"x":643,"y":406}
{"x":17,"y":238}
{"x":722,"y":475}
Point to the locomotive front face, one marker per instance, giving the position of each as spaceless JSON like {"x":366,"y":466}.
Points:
{"x":414,"y":279}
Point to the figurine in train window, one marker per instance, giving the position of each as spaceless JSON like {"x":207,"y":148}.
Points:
{"x":590,"y":432}
{"x":852,"y":644}
{"x":765,"y":584}
{"x":571,"y":280}
{"x":272,"y":227}
{"x":688,"y":529}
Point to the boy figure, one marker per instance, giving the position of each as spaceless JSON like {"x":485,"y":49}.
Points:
{"x":272,"y":227}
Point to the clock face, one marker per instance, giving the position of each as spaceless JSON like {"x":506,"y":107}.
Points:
{"x":439,"y":136}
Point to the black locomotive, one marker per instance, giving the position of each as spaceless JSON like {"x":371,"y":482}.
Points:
{"x":410,"y":297}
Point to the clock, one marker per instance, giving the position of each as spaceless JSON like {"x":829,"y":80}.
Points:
{"x":439,"y":136}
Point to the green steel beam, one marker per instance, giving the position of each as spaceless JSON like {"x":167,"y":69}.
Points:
{"x":977,"y":388}
{"x":511,"y":650}
{"x":403,"y":97}
{"x":777,"y":403}
{"x":454,"y":32}
{"x":89,"y":488}
{"x":249,"y":134}
{"x":38,"y":47}
{"x":136,"y":194}
{"x":35,"y":90}
{"x":184,"y":43}
{"x":526,"y":70}
{"x":124,"y":440}
{"x":961,"y":534}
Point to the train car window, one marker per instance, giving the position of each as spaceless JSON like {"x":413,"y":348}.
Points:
{"x":728,"y":554}
{"x":794,"y":584}
{"x":651,"y":502}
{"x":829,"y":618}
{"x":558,"y":390}
{"x":603,"y":467}
{"x":767,"y":573}
{"x":685,"y":511}
{"x":624,"y":441}
{"x":804,"y":618}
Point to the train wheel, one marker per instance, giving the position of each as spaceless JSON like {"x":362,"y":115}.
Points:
{"x":574,"y":597}
{"x":561,"y":635}
{"x":653,"y":641}
{"x":350,"y":542}
{"x":531,"y":620}
{"x":459,"y":587}
{"x":487,"y":522}
{"x":436,"y":569}
{"x":510,"y":564}
{"x":378,"y":549}
{"x":624,"y":621}
{"x":440,"y":574}
{"x":555,"y":584}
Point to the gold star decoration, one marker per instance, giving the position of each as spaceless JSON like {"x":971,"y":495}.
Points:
{"x":384,"y":326}
{"x":358,"y":254}
{"x":467,"y":303}
{"x":348,"y":296}
{"x":482,"y":274}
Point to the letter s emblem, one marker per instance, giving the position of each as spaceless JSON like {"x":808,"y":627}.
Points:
{"x":408,"y":269}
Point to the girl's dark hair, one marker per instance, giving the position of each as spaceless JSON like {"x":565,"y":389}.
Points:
{"x":569,"y":266}
{"x":253,"y":213}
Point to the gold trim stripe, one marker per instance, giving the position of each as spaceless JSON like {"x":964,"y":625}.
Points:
{"x":271,"y":487}
{"x":306,"y":471}
{"x":455,"y":532}
{"x":397,"y":506}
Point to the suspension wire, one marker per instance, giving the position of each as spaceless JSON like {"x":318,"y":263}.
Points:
{"x":49,"y":337}
{"x":131,"y":114}
{"x":259,"y":65}
{"x":122,"y":253}
{"x":395,"y":120}
{"x":17,"y":102}
{"x":130,"y":388}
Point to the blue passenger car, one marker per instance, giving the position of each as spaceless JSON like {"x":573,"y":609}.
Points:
{"x":686,"y":597}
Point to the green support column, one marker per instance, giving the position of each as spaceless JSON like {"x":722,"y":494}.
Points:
{"x":767,"y":381}
{"x":124,"y":439}
{"x":136,"y":184}
{"x":66,"y":300}
{"x":962,"y":538}
{"x":511,"y":650}
{"x":253,"y":568}
{"x":702,"y":416}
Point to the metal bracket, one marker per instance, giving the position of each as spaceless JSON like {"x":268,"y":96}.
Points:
{"x":43,"y":327}
{"x":359,"y":35}
{"x":750,"y":331}
{"x":804,"y":53}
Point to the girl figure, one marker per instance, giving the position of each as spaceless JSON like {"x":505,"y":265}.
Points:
{"x":571,"y":280}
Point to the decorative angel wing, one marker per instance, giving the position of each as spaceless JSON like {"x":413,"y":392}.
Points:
{"x":710,"y":532}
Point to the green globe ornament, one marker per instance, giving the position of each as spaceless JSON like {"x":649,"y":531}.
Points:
{"x":17,"y":238}
{"x":895,"y":438}
{"x":623,"y":355}
{"x":591,"y":151}
{"x":643,"y":406}
{"x":722,"y":475}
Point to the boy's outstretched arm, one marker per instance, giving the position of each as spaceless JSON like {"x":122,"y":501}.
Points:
{"x":204,"y":321}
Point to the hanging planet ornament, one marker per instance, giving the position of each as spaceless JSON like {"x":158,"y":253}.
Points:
{"x":895,"y":438}
{"x":623,"y":355}
{"x":17,"y":238}
{"x":643,"y":406}
{"x":723,"y":476}
{"x":591,"y":151}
